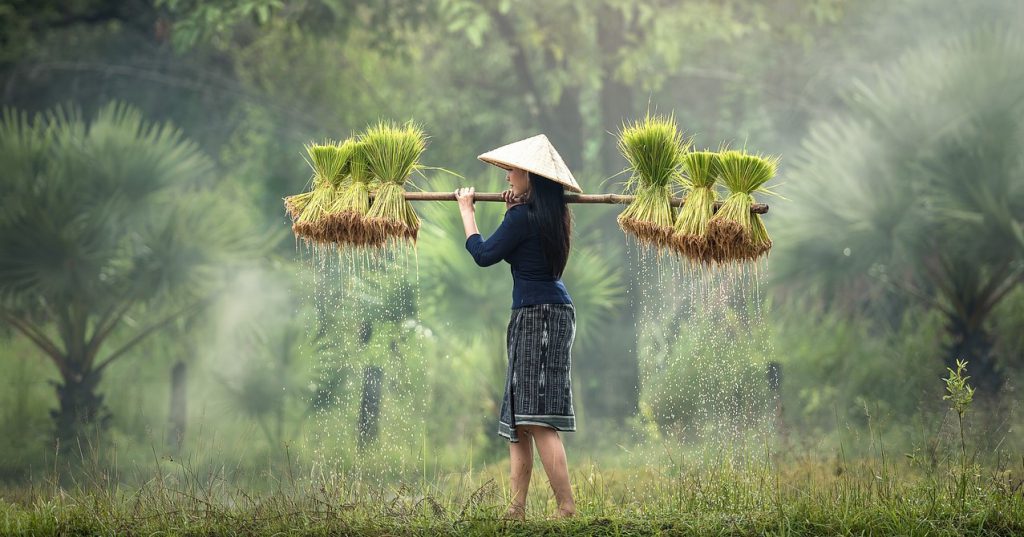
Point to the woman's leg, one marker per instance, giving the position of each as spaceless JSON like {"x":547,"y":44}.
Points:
{"x":520,"y":455}
{"x":552,"y":455}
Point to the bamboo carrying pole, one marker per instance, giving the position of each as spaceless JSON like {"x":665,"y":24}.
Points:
{"x":757,"y":208}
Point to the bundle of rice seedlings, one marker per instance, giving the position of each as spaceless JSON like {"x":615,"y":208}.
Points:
{"x":392,"y":154}
{"x":346,"y":217}
{"x":294,"y":205}
{"x":690,"y":237}
{"x":654,"y":149}
{"x":736,"y":233}
{"x":328,"y":161}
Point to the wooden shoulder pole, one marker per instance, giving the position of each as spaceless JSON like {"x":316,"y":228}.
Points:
{"x":757,"y":208}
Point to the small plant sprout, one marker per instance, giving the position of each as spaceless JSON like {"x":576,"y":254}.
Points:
{"x":960,"y":395}
{"x":958,"y":391}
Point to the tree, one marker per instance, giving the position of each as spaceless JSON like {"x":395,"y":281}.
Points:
{"x":109,"y":232}
{"x":919,"y":189}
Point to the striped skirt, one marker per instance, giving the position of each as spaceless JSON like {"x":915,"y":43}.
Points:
{"x":538,"y":390}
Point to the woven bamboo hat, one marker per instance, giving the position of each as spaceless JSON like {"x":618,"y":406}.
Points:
{"x":534,"y":154}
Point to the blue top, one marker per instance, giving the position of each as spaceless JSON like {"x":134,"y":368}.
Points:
{"x":518,"y":242}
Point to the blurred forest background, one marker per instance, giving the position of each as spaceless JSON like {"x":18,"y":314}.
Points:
{"x":152,"y":296}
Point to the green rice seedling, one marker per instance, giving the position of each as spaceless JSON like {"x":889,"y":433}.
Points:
{"x":392,"y":154}
{"x":690,"y":238}
{"x":654,"y":148}
{"x":328,"y":161}
{"x":294,"y":205}
{"x":735,"y":233}
{"x":346,"y":218}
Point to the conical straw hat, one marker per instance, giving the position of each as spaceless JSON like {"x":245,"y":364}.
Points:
{"x":534,"y":154}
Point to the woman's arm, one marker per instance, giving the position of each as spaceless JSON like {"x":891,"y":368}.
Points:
{"x":505,"y":239}
{"x":465,"y":197}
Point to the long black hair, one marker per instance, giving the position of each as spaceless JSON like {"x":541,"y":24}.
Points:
{"x":551,"y":216}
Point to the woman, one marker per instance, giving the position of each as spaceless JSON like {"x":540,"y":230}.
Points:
{"x":534,"y":238}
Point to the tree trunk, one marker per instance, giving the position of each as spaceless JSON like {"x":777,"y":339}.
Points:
{"x":774,"y":376}
{"x":179,"y":409}
{"x":369,"y":406}
{"x":81,"y":409}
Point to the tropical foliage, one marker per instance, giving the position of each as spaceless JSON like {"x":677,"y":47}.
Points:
{"x":111,"y":230}
{"x":916,"y":196}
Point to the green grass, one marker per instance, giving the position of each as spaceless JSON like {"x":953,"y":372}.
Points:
{"x":780,"y":498}
{"x":666,"y":485}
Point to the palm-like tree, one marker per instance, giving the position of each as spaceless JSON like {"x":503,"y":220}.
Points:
{"x":919,"y":188}
{"x":109,"y":231}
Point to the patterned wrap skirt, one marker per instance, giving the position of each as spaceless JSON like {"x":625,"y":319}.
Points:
{"x":538,"y":390}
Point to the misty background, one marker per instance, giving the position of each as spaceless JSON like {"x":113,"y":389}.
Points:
{"x":153,"y":298}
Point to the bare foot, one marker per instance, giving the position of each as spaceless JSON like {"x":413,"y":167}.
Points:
{"x":515,"y":512}
{"x":565,"y":512}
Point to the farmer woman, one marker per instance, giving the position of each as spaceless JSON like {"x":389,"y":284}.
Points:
{"x":534,"y":239}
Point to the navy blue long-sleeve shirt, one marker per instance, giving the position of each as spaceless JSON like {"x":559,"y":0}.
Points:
{"x":518,"y":242}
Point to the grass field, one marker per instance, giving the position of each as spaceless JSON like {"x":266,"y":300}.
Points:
{"x":868,"y":496}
